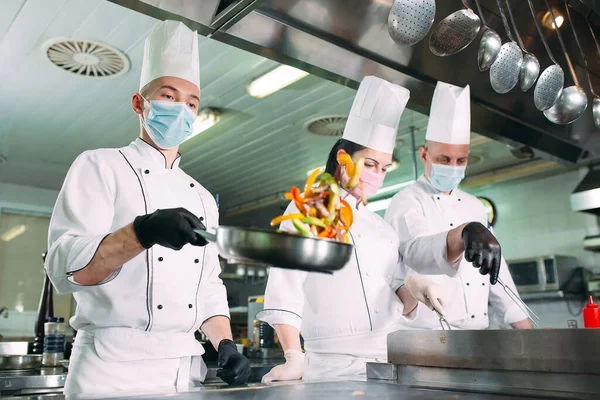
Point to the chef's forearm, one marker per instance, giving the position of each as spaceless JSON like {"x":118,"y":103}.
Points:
{"x":289,"y":337}
{"x":216,"y":329}
{"x":524,"y":324}
{"x":410,"y":303}
{"x":454,"y":243}
{"x":115,"y":250}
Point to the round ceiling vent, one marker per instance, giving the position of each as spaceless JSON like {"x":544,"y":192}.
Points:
{"x":86,"y":57}
{"x":474,"y":159}
{"x":332,"y":125}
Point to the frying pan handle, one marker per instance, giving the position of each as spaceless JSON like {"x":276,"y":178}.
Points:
{"x":211,"y":237}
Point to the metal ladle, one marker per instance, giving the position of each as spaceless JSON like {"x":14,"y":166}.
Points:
{"x":530,"y":70}
{"x":596,"y":102}
{"x":455,"y":32}
{"x":572,"y":101}
{"x":489,"y":46}
{"x":504,"y":72}
{"x":550,"y":84}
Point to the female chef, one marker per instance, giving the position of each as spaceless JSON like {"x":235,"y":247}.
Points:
{"x":345,"y":317}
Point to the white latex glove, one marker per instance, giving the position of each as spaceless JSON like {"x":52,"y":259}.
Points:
{"x":292,"y":369}
{"x":426,"y":291}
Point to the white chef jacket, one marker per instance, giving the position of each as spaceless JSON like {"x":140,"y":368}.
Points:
{"x":150,"y":308}
{"x":345,"y":317}
{"x":421,"y":216}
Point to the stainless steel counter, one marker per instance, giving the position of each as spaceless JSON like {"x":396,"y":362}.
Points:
{"x":314,"y":391}
{"x":52,"y":380}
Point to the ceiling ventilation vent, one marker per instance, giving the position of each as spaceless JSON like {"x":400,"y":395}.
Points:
{"x":332,"y":125}
{"x":86,"y":57}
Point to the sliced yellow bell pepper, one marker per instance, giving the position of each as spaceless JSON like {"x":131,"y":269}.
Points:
{"x":346,"y":214}
{"x":356,"y":176}
{"x":277,"y":220}
{"x":311,"y":181}
{"x":345,"y":160}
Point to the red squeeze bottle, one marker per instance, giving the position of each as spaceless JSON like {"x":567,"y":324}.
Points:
{"x":591,"y":315}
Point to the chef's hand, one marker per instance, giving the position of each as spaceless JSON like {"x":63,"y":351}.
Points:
{"x":292,"y":369}
{"x":482,"y":250}
{"x":426,"y":291}
{"x":172,"y":228}
{"x":234,"y":368}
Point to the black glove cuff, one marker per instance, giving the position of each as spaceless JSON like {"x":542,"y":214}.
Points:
{"x":139,"y":232}
{"x":227,"y":343}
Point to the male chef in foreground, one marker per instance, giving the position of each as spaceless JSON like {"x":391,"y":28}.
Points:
{"x":433,"y":220}
{"x":121,"y":240}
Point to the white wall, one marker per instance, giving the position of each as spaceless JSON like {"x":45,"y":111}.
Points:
{"x":26,"y":198}
{"x":535,"y":218}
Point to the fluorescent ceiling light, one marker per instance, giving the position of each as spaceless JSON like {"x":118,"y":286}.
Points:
{"x":395,"y":187}
{"x":207,"y":118}
{"x":13,"y":233}
{"x":275,"y":80}
{"x":379,"y":205}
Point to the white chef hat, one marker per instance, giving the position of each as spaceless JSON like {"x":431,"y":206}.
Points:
{"x":375,"y":114}
{"x":171,"y":49}
{"x":450,"y":115}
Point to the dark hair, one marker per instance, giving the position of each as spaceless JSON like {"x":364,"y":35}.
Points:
{"x":342,"y":144}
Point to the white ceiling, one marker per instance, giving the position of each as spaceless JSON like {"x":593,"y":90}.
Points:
{"x":259,"y":148}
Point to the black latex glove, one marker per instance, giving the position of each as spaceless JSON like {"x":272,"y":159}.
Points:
{"x":234,"y":368}
{"x":482,"y":250}
{"x":172,"y":228}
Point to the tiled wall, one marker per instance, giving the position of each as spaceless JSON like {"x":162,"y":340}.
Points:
{"x":535,"y":219}
{"x":25,"y":198}
{"x":17,"y":324}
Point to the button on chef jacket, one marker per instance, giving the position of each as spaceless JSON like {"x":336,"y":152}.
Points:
{"x":150,"y":307}
{"x":345,"y":317}
{"x":421,"y":215}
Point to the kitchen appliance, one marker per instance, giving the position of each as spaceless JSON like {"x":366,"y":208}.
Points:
{"x":540,"y":274}
{"x":255,"y":305}
{"x":282,"y":250}
{"x":555,"y":363}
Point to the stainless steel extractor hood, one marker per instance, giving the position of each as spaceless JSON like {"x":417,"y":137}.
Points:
{"x":586,"y":196}
{"x":345,"y":40}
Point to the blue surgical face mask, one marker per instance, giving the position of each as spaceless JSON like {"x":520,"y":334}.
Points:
{"x":446,"y":178}
{"x":169,"y":123}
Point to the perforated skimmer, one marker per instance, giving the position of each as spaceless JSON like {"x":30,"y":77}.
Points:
{"x":409,"y":21}
{"x":454,"y":33}
{"x":504,"y":73}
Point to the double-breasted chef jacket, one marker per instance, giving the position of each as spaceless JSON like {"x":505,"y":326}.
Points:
{"x":345,"y":317}
{"x":422,"y":215}
{"x":142,"y":319}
